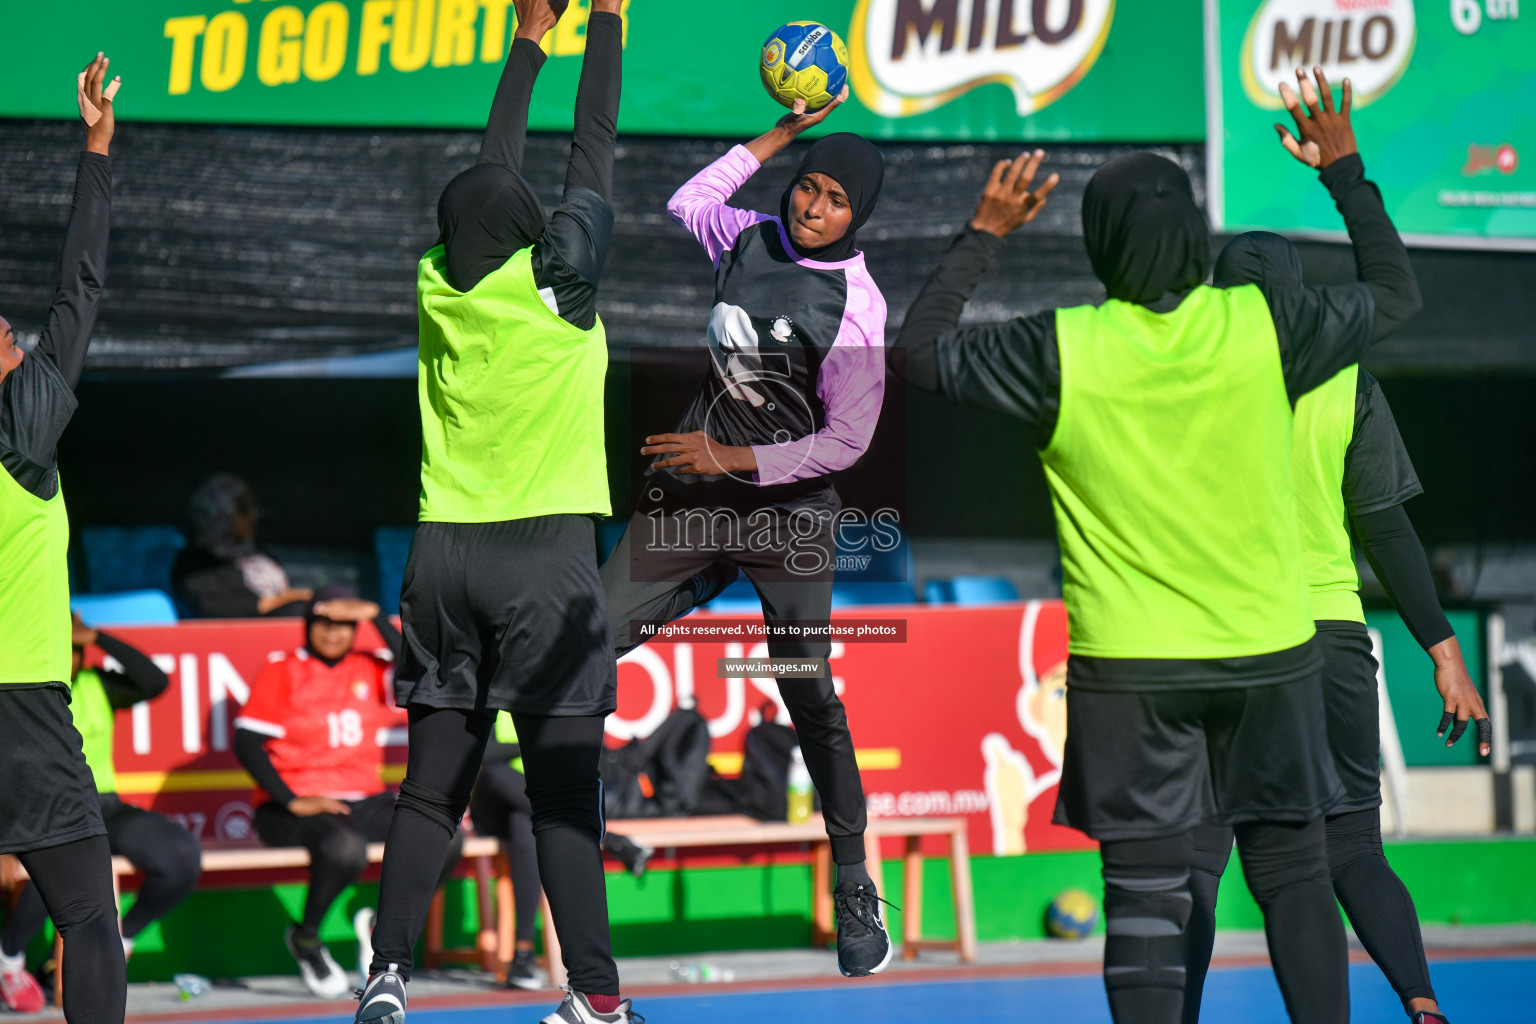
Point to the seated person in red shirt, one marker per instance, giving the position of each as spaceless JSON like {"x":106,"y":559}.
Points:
{"x":311,"y":738}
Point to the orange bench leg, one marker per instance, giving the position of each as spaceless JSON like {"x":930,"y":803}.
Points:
{"x":965,"y":903}
{"x":912,"y":898}
{"x":821,"y":894}
{"x":556,"y":963}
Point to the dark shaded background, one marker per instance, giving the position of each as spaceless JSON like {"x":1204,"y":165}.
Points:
{"x":234,"y":246}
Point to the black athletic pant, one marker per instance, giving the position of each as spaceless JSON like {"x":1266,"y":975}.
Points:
{"x":651,"y":583}
{"x":338,"y":848}
{"x":560,"y":758}
{"x":75,"y":882}
{"x":168,"y":855}
{"x":1147,"y":908}
{"x":1374,"y":898}
{"x":500,"y":808}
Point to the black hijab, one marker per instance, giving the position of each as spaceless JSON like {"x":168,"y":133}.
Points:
{"x":857,"y":166}
{"x":1146,"y":238}
{"x":485,"y":215}
{"x":1259,"y":257}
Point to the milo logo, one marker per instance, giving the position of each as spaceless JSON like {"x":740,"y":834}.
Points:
{"x":1368,"y":41}
{"x":911,"y":56}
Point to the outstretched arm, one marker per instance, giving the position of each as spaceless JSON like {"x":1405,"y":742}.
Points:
{"x":1010,"y":367}
{"x":1323,"y":330}
{"x":83,"y":264}
{"x":702,"y":205}
{"x":506,"y":131}
{"x":597,"y":102}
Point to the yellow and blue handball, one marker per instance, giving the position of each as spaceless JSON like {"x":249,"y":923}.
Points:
{"x":1072,"y":915}
{"x":804,"y":60}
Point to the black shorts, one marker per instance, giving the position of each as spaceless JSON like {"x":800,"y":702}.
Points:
{"x":507,"y":617}
{"x":1152,"y":764}
{"x":47,"y":794}
{"x":1352,"y":704}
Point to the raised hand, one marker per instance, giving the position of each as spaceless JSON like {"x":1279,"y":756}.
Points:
{"x":1007,"y":203}
{"x":797,"y":120}
{"x":1323,"y":134}
{"x":347,"y":609}
{"x":535,"y":18}
{"x":94,"y":95}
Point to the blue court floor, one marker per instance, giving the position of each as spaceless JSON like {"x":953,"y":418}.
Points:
{"x":1484,"y":991}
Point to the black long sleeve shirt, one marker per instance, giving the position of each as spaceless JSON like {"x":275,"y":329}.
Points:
{"x":1014,"y":366}
{"x":1378,"y":478}
{"x":37,"y":399}
{"x":140,"y":678}
{"x":568,"y":256}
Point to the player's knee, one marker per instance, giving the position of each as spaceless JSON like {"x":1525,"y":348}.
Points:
{"x":441,"y":809}
{"x":567,"y":805}
{"x":343,"y":851}
{"x":1352,"y":838}
{"x":1279,"y":857}
{"x":1146,"y":909}
{"x":178,"y":860}
{"x":89,"y":914}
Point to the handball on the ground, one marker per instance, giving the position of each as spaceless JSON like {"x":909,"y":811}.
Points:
{"x":804,"y":60}
{"x":1072,"y":915}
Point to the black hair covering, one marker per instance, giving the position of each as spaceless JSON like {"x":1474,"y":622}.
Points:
{"x":1259,"y":257}
{"x":484,"y":216}
{"x":329,"y":592}
{"x":856,"y":165}
{"x":1145,"y":235}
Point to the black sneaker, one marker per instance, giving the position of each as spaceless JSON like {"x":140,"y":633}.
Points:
{"x":631,"y":854}
{"x":1429,"y":1017}
{"x":321,"y":974}
{"x":382,"y":1000}
{"x":524,"y":973}
{"x":863,"y":946}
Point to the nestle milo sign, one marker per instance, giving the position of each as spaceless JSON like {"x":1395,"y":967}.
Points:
{"x":1441,"y":93}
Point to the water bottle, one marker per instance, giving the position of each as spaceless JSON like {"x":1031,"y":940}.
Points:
{"x":800,"y":793}
{"x":191,"y":985}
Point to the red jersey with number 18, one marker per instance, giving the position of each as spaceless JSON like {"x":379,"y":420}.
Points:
{"x":327,"y":724}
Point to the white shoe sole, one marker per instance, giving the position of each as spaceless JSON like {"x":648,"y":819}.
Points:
{"x":890,"y":950}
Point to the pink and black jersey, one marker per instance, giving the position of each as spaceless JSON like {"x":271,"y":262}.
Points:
{"x":796,"y":347}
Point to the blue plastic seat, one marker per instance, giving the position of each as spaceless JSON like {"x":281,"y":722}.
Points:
{"x":971,"y":590}
{"x":608,"y":533}
{"x":132,"y":608}
{"x":121,"y":558}
{"x":391,"y":548}
{"x":884,"y":578}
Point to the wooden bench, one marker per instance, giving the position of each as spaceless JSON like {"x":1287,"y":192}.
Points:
{"x":494,"y":942}
{"x":738,"y":830}
{"x":239,"y":857}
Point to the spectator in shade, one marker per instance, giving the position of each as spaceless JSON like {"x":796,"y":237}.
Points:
{"x":167,"y":854}
{"x":223,"y":574}
{"x":312,"y":736}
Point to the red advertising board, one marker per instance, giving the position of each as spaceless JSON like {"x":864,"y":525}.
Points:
{"x":963,"y":715}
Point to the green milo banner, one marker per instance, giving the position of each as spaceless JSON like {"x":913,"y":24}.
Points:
{"x":1445,"y":103}
{"x":920,"y":69}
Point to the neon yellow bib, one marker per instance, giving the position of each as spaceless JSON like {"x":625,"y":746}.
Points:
{"x":511,"y":400}
{"x":34,"y":586}
{"x":1325,"y":424}
{"x":95,"y":719}
{"x":1170,"y":476}
{"x":506,"y":732}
